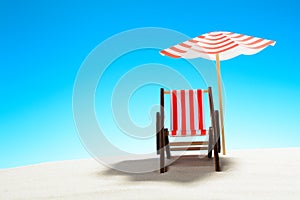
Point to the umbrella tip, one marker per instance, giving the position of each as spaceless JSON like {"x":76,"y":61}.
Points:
{"x":161,"y":52}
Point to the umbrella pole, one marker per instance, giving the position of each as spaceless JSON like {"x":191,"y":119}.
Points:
{"x":220,"y":102}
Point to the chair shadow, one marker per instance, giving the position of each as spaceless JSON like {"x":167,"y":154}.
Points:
{"x":182,"y":170}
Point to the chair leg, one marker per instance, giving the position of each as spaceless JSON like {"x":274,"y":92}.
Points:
{"x":216,"y":137}
{"x":219,"y":145}
{"x":210,"y":141}
{"x":218,"y":129}
{"x":157,"y":133}
{"x":167,"y":144}
{"x":162,"y":152}
{"x":216,"y":157}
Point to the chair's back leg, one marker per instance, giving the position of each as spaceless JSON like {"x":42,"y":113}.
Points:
{"x":162,"y":138}
{"x":210,"y":142}
{"x":211,"y":102}
{"x":157,"y":132}
{"x":214,"y":120}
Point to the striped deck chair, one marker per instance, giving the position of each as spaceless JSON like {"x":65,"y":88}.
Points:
{"x":187,"y":119}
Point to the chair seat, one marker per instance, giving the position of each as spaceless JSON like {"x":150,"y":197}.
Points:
{"x":183,"y":133}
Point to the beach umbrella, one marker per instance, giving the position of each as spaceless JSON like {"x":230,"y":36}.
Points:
{"x":217,"y":46}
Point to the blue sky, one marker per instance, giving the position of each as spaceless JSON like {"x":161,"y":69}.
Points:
{"x":43,"y":44}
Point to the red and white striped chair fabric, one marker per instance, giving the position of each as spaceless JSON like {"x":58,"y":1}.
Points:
{"x":187,"y":117}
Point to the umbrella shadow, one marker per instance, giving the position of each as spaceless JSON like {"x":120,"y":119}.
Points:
{"x":182,"y":170}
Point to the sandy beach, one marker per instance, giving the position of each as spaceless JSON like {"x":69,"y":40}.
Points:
{"x":246,"y":174}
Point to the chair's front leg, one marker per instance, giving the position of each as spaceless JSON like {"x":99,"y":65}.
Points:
{"x":215,"y":141}
{"x":162,"y":151}
{"x":217,"y":119}
{"x":167,"y":144}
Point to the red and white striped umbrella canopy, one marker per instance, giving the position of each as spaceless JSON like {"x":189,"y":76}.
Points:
{"x":227,"y":44}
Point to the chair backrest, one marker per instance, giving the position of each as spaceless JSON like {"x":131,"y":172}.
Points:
{"x":187,"y":118}
{"x":186,"y":105}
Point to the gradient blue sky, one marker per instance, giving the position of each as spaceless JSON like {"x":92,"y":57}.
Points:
{"x":43,"y":43}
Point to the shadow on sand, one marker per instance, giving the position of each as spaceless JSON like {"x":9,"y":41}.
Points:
{"x":183,"y":169}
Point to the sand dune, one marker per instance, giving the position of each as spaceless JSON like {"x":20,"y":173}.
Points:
{"x":246,"y":174}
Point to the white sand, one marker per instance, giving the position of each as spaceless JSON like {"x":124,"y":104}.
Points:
{"x":247,"y":174}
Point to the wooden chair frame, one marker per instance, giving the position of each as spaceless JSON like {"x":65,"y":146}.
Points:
{"x":162,"y":135}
